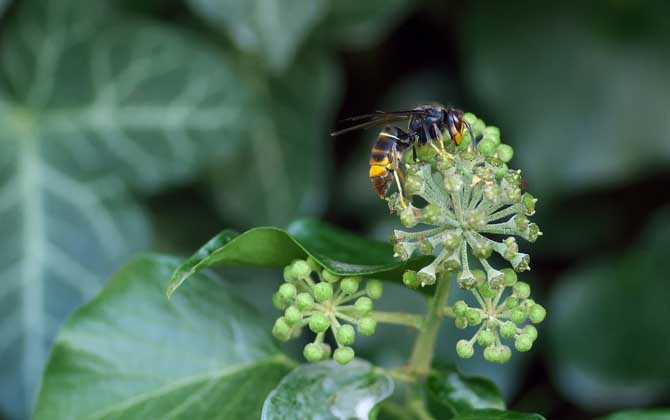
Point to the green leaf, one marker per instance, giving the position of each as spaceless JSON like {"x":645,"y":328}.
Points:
{"x":612,"y":310}
{"x":271,"y":29}
{"x":339,"y":252}
{"x":132,"y":354}
{"x":491,"y":414}
{"x":327,"y":390}
{"x":92,"y":103}
{"x":653,"y":414}
{"x":452,"y":393}
{"x":281,"y":171}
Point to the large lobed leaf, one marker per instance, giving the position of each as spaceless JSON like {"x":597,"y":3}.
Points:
{"x":91,"y":103}
{"x":132,"y":354}
{"x":340,"y":252}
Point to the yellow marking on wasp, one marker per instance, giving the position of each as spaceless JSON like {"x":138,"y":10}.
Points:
{"x":377,"y":170}
{"x":385,"y":134}
{"x":457,"y":138}
{"x":383,"y":162}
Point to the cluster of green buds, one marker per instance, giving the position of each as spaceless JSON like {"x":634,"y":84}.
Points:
{"x":476,"y":207}
{"x":312,"y":296}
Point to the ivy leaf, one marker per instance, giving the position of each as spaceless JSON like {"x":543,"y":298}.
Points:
{"x":132,"y":354}
{"x":452,"y":393}
{"x":491,"y":414}
{"x":608,"y":311}
{"x":92,"y":103}
{"x":653,"y":414}
{"x":282,"y":168}
{"x":327,"y":390}
{"x":340,"y":252}
{"x":270,"y":29}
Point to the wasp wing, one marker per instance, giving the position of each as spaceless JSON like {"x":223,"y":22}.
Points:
{"x":376,"y":119}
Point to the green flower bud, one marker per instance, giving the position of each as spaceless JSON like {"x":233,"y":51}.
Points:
{"x":530,"y":331}
{"x":460,"y":307}
{"x":425,"y":278}
{"x":292,"y":315}
{"x":374,"y":289}
{"x":480,"y":277}
{"x":279,"y":301}
{"x":475,"y":219}
{"x":453,"y":183}
{"x":510,"y":277}
{"x":313,"y":352}
{"x":451,"y":240}
{"x":409,"y":279}
{"x":517,"y":315}
{"x":504,"y":354}
{"x":288,"y":274}
{"x":493,"y":132}
{"x":431,"y":214}
{"x":521,"y":222}
{"x":533,"y":232}
{"x":349,"y":285}
{"x":508,"y":329}
{"x":346,"y":335}
{"x":319,"y":323}
{"x":323,"y":291}
{"x":301,"y":269}
{"x":343,"y":355}
{"x":491,"y":354}
{"x":485,"y":338}
{"x":408,"y":217}
{"x":329,"y":277}
{"x":521,"y":262}
{"x":511,"y":248}
{"x":313,"y":265}
{"x":486,"y":291}
{"x":464,"y":349}
{"x":505,"y":152}
{"x":413,"y":186}
{"x":474,"y":316}
{"x":511,"y":302}
{"x":487,"y":146}
{"x":521,"y":290}
{"x":281,"y":330}
{"x":304,"y":301}
{"x":443,"y":163}
{"x":466,"y":280}
{"x":523,"y":343}
{"x":536,"y":313}
{"x":481,"y":249}
{"x":492,"y":193}
{"x":501,"y":170}
{"x":461,"y":322}
{"x":367,"y":325}
{"x":529,"y":203}
{"x":495,"y":278}
{"x":363,"y":305}
{"x":425,"y":247}
{"x":287,"y":291}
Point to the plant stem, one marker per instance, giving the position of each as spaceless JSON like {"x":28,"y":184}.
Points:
{"x":424,"y":346}
{"x":399,"y":318}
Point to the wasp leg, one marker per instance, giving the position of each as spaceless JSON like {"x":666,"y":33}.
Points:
{"x":440,"y":137}
{"x":398,"y":175}
{"x":431,"y":141}
{"x":402,"y":195}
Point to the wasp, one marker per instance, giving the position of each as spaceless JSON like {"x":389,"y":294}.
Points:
{"x":426,"y":124}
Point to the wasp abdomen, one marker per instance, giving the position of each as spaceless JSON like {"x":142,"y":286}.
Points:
{"x":382,"y":161}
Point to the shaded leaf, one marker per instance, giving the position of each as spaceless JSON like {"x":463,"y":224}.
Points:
{"x":271,"y":29}
{"x":453,"y":393}
{"x":339,"y":252}
{"x":613,"y":310}
{"x":492,"y":414}
{"x":91,"y":103}
{"x":652,"y":414}
{"x":327,"y":390}
{"x":132,"y":354}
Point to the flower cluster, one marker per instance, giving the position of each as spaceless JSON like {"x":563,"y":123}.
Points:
{"x":312,"y":296}
{"x":476,"y":207}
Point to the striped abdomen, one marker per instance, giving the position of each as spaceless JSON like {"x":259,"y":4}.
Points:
{"x":382,"y":161}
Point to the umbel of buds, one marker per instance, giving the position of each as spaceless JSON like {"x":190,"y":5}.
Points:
{"x":312,"y":297}
{"x":476,"y":208}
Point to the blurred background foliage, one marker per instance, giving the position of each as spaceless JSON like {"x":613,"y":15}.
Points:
{"x":150,"y":125}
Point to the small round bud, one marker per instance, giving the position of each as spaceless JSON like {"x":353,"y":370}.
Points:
{"x":530,"y":331}
{"x":486,"y":291}
{"x":292,"y":315}
{"x":425,"y":278}
{"x":474,"y":316}
{"x":301,"y":269}
{"x":408,"y":217}
{"x":510,"y":277}
{"x":409,"y":279}
{"x":464,"y":349}
{"x":521,"y":222}
{"x":288,"y":274}
{"x":533,"y":232}
{"x":521,"y":290}
{"x":461,"y":322}
{"x":349,"y":285}
{"x":281,"y":330}
{"x":521,"y":262}
{"x":529,"y":203}
{"x":374,"y":289}
{"x":481,"y":249}
{"x":287,"y":291}
{"x":460,"y":307}
{"x":278,"y":301}
{"x":363,"y":305}
{"x":501,"y":170}
{"x":346,"y":335}
{"x":318,"y":323}
{"x":425,"y":247}
{"x":505,"y":152}
{"x":432,"y":214}
{"x":480,"y":276}
{"x":313,"y":265}
{"x":511,"y":302}
{"x":517,"y":315}
{"x":485,"y":338}
{"x":343,"y":355}
{"x":536,"y":313}
{"x":523,"y":343}
{"x":491,"y":354}
{"x":329,"y":277}
{"x":487,"y":146}
{"x":504,"y":354}
{"x":367,"y":325}
{"x":313,"y":352}
{"x":451,"y":240}
{"x":492,"y":132}
{"x":508,"y":329}
{"x":304,"y":301}
{"x":323,"y":291}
